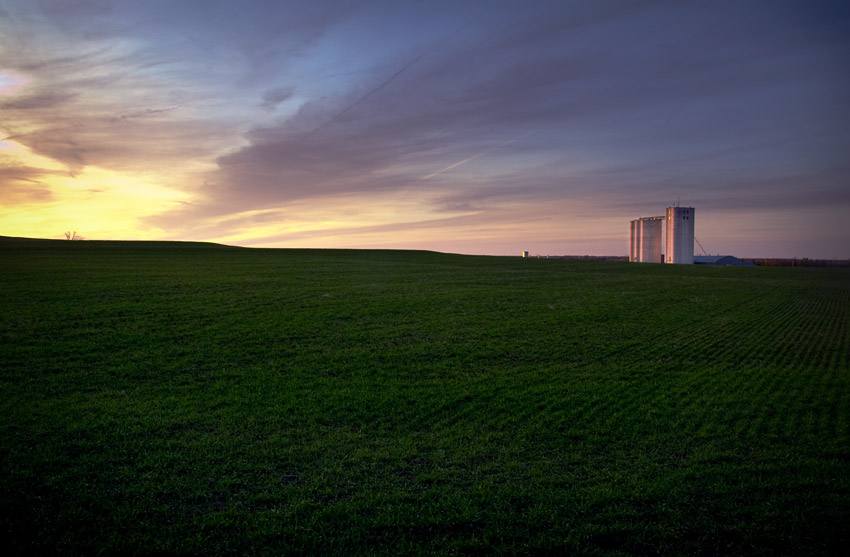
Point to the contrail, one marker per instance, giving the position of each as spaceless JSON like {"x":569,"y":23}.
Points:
{"x":455,"y":165}
{"x":387,"y":81}
{"x":481,"y":154}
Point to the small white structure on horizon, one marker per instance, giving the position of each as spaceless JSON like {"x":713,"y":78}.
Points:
{"x":525,"y":255}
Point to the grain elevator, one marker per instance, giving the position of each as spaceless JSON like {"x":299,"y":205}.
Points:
{"x":679,"y":246}
{"x":645,"y":237}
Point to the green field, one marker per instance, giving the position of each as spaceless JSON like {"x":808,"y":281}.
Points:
{"x":194,"y":398}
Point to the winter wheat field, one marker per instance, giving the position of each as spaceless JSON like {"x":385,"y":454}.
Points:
{"x":200,"y":399}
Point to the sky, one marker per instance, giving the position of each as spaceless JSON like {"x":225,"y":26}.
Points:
{"x":479,"y":127}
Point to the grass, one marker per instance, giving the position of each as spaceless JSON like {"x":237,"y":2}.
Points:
{"x":194,"y":398}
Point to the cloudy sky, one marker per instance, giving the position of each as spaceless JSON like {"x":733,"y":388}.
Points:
{"x":482,"y":126}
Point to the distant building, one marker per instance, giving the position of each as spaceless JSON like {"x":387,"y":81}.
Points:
{"x":525,"y":255}
{"x":722,"y":261}
{"x":679,"y":246}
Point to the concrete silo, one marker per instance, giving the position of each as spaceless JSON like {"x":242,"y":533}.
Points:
{"x":679,"y":246}
{"x":645,"y":240}
{"x":650,"y":240}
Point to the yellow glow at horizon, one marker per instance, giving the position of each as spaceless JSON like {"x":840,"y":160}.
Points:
{"x":98,"y":203}
{"x":551,"y":227}
{"x":343,"y":212}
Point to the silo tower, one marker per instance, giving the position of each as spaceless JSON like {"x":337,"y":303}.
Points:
{"x":679,"y":246}
{"x":650,"y":239}
{"x":645,"y":240}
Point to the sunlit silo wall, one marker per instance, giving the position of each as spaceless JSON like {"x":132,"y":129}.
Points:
{"x":679,"y":242}
{"x":645,"y":240}
{"x":650,"y":240}
{"x":633,"y":240}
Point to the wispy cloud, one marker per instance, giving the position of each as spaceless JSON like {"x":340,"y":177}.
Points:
{"x":386,"y":82}
{"x":274,"y":97}
{"x":20,"y":185}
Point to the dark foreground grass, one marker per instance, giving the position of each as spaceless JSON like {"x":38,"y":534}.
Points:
{"x":190,"y":398}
